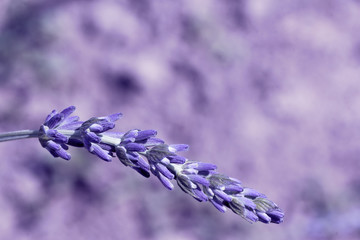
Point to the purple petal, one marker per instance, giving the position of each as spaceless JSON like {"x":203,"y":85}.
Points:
{"x":145,"y":134}
{"x":199,"y":179}
{"x":233,"y":189}
{"x":250,"y":215}
{"x":251,"y":193}
{"x":96,"y":128}
{"x":67,"y":111}
{"x":53,"y":153}
{"x":178,"y":147}
{"x":107,"y":147}
{"x":51,"y":145}
{"x":55,"y":120}
{"x":202,"y":166}
{"x":56,"y":150}
{"x":200,"y":194}
{"x":222,"y":195}
{"x":164,"y":171}
{"x":219,"y":206}
{"x":57,"y":137}
{"x":177,"y":159}
{"x":53,"y":112}
{"x":87,"y":144}
{"x":64,"y":146}
{"x":263,"y":217}
{"x":114,"y":117}
{"x":165,"y":181}
{"x":235,"y":180}
{"x":70,"y":120}
{"x":131,"y":134}
{"x":106,"y":125}
{"x":101,"y":153}
{"x":132,"y":157}
{"x":63,"y":154}
{"x":135,"y":147}
{"x":92,"y":137}
{"x":143,"y":164}
{"x":154,"y":141}
{"x":70,"y":126}
{"x":248,"y":203}
{"x":276,"y":215}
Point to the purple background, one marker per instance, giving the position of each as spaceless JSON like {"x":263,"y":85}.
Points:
{"x":267,"y":90}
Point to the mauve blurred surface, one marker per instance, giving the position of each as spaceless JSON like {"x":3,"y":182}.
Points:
{"x":267,"y":90}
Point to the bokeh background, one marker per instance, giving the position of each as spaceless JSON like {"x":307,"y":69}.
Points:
{"x":268,"y":90}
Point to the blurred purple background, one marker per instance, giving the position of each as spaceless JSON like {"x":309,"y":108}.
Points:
{"x":267,"y":90}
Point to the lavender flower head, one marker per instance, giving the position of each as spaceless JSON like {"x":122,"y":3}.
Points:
{"x":146,"y":154}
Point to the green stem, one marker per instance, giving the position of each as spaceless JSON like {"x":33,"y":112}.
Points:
{"x":16,"y":135}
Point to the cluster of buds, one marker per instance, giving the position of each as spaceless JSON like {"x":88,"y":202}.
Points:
{"x":143,"y":152}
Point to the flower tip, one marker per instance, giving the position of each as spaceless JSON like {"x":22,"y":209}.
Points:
{"x":114,"y":117}
{"x":64,"y":155}
{"x":69,"y":110}
{"x":178,"y":147}
{"x":276,"y":215}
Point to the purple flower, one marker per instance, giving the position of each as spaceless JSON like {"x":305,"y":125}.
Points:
{"x":146,"y":154}
{"x":90,"y":132}
{"x":159,"y":159}
{"x":192,"y":179}
{"x":51,"y":138}
{"x":132,"y":147}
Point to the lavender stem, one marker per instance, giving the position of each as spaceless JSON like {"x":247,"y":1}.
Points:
{"x":21,"y":134}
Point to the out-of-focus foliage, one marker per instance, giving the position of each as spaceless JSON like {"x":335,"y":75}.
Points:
{"x":267,"y":90}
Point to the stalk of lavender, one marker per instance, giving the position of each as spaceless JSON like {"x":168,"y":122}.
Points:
{"x":146,"y":154}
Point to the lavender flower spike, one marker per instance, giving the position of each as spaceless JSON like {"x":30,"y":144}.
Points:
{"x":146,"y":154}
